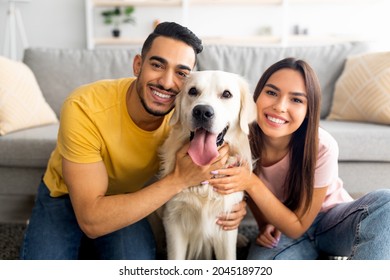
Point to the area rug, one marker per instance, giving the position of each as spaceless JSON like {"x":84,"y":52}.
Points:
{"x":11,"y":236}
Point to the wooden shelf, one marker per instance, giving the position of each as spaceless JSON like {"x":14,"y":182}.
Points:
{"x":334,"y":1}
{"x":181,"y":2}
{"x":310,"y":39}
{"x":102,"y":3}
{"x":284,"y":38}
{"x":247,"y":40}
{"x":118,"y":41}
{"x":152,"y":3}
{"x":242,"y":2}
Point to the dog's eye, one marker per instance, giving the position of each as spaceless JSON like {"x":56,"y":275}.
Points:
{"x":193,"y":91}
{"x":226,"y":94}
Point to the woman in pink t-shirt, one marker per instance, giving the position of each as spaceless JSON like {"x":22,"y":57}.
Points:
{"x":295,"y":194}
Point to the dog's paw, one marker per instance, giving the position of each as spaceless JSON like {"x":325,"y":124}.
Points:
{"x":242,"y":241}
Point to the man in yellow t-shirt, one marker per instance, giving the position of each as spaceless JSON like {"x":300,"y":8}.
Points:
{"x":96,"y":187}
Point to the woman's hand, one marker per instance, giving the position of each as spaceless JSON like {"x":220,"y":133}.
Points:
{"x":268,"y":237}
{"x":233,"y":219}
{"x":232,"y":179}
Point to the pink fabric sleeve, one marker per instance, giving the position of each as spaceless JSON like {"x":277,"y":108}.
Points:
{"x":327,"y":172}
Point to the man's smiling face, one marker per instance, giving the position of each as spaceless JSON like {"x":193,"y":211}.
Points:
{"x":161,"y":74}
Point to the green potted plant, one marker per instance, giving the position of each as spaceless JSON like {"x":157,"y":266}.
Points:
{"x":117,"y":16}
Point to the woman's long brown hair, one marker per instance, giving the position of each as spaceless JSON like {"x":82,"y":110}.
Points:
{"x":299,"y":181}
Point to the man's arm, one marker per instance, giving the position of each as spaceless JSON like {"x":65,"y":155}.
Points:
{"x":98,"y":214}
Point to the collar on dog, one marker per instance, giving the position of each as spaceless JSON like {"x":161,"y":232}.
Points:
{"x":221,"y":136}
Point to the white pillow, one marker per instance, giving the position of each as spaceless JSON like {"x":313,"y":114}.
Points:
{"x":362,"y":92}
{"x":22,"y":104}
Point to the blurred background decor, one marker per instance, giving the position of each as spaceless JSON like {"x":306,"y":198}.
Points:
{"x":13,"y":27}
{"x":118,"y":16}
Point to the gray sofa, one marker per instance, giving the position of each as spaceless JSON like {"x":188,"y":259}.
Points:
{"x":364,"y":148}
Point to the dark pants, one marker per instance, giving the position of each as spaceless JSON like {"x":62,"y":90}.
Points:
{"x":54,"y":234}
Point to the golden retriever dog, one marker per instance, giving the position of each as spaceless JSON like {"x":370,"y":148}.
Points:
{"x":213,"y":107}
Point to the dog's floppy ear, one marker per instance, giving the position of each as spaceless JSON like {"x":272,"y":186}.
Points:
{"x":248,"y":112}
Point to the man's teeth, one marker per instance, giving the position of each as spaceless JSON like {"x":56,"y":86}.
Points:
{"x":159,"y":94}
{"x":275,"y":120}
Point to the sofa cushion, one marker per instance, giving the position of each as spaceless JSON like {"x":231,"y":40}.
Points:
{"x":363,"y":142}
{"x":361,"y":177}
{"x":22,"y":104}
{"x":60,"y":71}
{"x":29,"y":147}
{"x":251,"y":61}
{"x":362,"y":91}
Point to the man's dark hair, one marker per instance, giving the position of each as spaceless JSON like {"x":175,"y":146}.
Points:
{"x":174,"y":31}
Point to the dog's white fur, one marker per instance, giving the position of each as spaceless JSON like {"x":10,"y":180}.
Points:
{"x":190,"y":217}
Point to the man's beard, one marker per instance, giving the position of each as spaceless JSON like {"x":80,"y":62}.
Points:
{"x":151,"y":111}
{"x":140,"y":93}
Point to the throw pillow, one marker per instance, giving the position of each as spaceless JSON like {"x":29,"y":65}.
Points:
{"x":22,"y":104}
{"x":362,"y":92}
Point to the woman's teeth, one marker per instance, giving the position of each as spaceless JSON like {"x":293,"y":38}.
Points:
{"x":275,"y":120}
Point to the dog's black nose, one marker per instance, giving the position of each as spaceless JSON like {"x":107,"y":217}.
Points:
{"x":203,"y":112}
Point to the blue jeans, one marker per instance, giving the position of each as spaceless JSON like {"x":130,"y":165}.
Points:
{"x":359,"y":230}
{"x":54,"y":234}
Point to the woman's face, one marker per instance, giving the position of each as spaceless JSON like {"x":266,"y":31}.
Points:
{"x":282,"y":104}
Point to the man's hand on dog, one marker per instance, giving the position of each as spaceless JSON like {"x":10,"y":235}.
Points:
{"x":230,"y":221}
{"x":191,"y":174}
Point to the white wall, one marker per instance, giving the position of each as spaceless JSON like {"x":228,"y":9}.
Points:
{"x":61,"y":23}
{"x":50,"y":23}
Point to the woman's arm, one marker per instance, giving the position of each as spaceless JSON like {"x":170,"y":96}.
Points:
{"x":291,"y":223}
{"x":259,"y":217}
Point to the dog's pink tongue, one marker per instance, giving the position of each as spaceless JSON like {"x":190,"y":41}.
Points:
{"x":203,"y":147}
